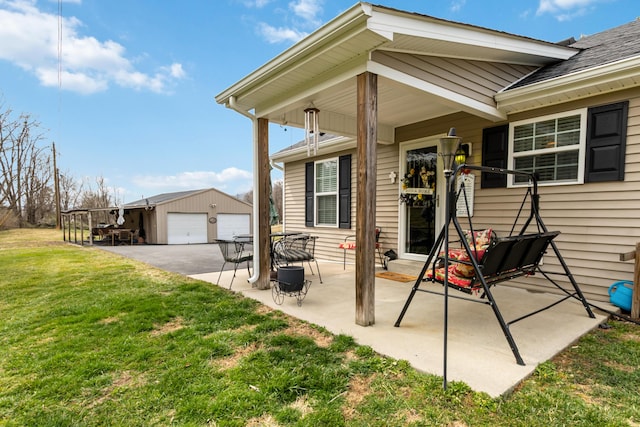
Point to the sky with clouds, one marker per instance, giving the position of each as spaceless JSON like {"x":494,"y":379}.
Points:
{"x":126,"y":88}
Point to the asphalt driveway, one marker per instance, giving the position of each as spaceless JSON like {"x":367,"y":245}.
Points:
{"x":183,"y":259}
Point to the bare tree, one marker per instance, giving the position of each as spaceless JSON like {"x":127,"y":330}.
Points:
{"x":278,"y":193}
{"x":25,"y":174}
{"x":70,"y":191}
{"x":38,"y":193}
{"x":100,"y":197}
{"x":247,"y":197}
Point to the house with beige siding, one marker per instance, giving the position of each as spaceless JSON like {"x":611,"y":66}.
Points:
{"x":390,"y":83}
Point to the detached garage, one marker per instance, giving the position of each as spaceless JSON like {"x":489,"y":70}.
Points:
{"x":186,"y":228}
{"x":188,"y":217}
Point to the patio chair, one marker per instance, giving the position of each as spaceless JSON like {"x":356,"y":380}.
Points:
{"x":296,"y":248}
{"x":125,"y":237}
{"x":349,"y":243}
{"x":234,"y":251}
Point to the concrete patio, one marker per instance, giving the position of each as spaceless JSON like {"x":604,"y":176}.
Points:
{"x":477,"y":351}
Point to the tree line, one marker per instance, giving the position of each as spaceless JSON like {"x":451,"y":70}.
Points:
{"x":28,"y":179}
{"x":28,"y":175}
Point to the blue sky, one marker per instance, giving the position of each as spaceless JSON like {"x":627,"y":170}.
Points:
{"x":132,"y":100}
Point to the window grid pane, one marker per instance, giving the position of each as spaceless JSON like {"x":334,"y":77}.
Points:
{"x":327,"y":210}
{"x":548,"y":135}
{"x":551,"y":167}
{"x":327,"y":177}
{"x":326,"y":193}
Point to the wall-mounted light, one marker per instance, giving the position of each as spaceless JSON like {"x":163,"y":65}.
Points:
{"x":311,"y":129}
{"x":463,"y":153}
{"x":213,"y":206}
{"x":461,"y":156}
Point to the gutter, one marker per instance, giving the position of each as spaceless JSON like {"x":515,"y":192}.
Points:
{"x":256,"y":229}
{"x":275,"y":165}
{"x":611,"y":77}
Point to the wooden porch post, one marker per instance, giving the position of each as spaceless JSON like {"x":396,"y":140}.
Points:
{"x":635,"y":293}
{"x":263,"y":204}
{"x":367,"y":138}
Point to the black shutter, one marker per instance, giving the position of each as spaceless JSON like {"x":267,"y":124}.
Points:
{"x":344,"y":191}
{"x":495,"y":142}
{"x":606,"y":142}
{"x":309,"y":182}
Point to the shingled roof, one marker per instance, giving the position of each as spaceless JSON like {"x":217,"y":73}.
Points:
{"x":161,"y":198}
{"x":602,"y":48}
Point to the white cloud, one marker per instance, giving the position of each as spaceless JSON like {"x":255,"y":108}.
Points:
{"x":457,"y":5}
{"x":88,"y":65}
{"x":278,"y":35}
{"x":257,"y":3}
{"x":229,"y":179}
{"x":308,"y":10}
{"x":301,"y":16}
{"x":565,"y":10}
{"x":177,"y":71}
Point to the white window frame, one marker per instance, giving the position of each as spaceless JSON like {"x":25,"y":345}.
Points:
{"x":581,"y":147}
{"x":335,"y":193}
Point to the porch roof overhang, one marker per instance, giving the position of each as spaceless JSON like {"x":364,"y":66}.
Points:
{"x":600,"y":80}
{"x":321,"y":71}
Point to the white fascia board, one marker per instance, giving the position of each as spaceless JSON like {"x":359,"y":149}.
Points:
{"x":387,"y":24}
{"x":446,"y":96}
{"x":343,"y":23}
{"x":616,"y":71}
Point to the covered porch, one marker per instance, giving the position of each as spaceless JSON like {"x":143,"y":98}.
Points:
{"x":477,"y":351}
{"x":375,"y":74}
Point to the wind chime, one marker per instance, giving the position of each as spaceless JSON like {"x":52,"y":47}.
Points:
{"x":311,"y":129}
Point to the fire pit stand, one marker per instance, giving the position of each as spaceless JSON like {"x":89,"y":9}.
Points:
{"x":290,"y":282}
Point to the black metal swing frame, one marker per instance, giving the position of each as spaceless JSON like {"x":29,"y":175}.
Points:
{"x":506,"y":258}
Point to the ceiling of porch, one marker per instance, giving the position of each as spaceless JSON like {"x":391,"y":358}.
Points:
{"x":321,"y":71}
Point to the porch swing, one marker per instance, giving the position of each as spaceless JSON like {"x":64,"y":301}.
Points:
{"x":483,"y":260}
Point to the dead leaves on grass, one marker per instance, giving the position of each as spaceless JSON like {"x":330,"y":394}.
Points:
{"x":121,"y":380}
{"x":173,"y":325}
{"x":322,"y":339}
{"x":359,"y":389}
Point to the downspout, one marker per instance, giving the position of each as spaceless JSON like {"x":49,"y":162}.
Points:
{"x":276,"y":166}
{"x":256,"y":229}
{"x":281,"y":169}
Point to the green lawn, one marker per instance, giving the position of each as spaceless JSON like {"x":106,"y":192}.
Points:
{"x":89,"y":338}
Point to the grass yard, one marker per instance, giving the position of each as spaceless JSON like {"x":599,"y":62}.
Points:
{"x":88,"y":338}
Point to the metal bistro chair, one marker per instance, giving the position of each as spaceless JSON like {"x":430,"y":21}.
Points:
{"x":234,"y":251}
{"x":296,"y":248}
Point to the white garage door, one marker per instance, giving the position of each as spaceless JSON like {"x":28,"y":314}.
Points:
{"x":230,"y":225}
{"x":186,"y":228}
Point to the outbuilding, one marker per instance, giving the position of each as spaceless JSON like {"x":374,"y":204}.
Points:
{"x":188,"y":217}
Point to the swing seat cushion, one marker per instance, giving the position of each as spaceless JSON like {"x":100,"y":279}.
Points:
{"x":480,"y":238}
{"x":479,"y":241}
{"x":506,"y":258}
{"x":454,"y":278}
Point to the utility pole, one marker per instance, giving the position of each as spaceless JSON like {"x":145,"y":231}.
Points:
{"x":56,"y":183}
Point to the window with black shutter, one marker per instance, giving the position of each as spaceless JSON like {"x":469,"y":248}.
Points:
{"x":344,"y":192}
{"x":494,"y":154}
{"x":328,"y":192}
{"x":308,"y":194}
{"x":606,"y":142}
